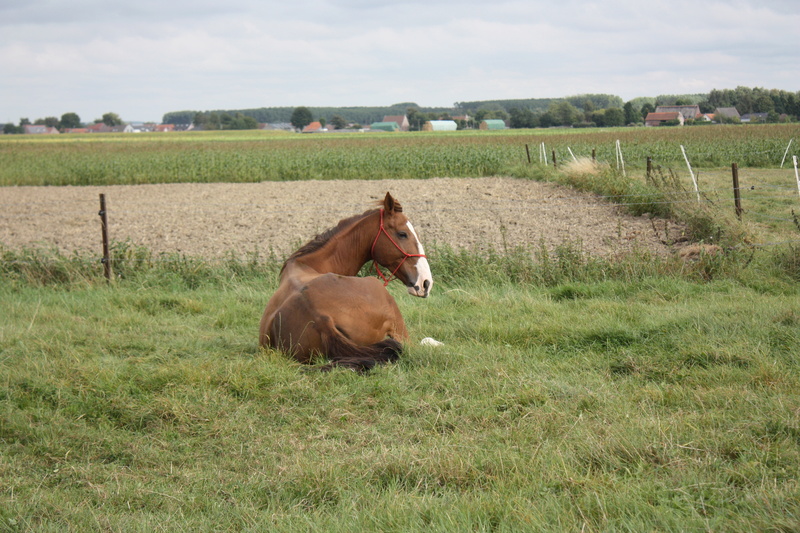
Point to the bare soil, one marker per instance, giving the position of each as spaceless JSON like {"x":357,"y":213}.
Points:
{"x":213,"y":220}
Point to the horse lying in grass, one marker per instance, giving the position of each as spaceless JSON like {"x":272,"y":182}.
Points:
{"x":321,"y":308}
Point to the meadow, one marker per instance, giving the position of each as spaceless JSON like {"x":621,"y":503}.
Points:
{"x":572,"y":393}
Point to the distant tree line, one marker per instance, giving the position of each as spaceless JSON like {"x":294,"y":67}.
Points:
{"x":67,"y":121}
{"x":586,"y":110}
{"x":607,"y":110}
{"x":756,"y":100}
{"x":221,"y":121}
{"x":283,"y":115}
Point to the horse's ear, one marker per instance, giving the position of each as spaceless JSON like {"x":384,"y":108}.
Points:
{"x":390,"y":205}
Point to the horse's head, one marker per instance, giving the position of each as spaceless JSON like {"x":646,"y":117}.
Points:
{"x":397,"y":248}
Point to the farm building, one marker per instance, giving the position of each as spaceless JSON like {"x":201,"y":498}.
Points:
{"x":99,"y":127}
{"x":658,"y":119}
{"x":689,"y":112}
{"x":754,"y":117}
{"x":39,"y":129}
{"x":276,"y":126}
{"x":314,"y":127}
{"x":727,"y":112}
{"x":385,"y":126}
{"x":493,"y":124}
{"x":402,"y":121}
{"x":440,"y":125}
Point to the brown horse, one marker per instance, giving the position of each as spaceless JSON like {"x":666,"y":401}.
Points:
{"x":322,"y":308}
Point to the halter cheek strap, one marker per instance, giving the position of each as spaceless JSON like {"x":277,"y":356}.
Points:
{"x":382,"y":230}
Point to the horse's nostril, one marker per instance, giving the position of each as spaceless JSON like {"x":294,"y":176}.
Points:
{"x":426,"y":284}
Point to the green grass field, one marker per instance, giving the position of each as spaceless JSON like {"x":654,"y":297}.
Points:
{"x":572,"y":393}
{"x":260,"y":156}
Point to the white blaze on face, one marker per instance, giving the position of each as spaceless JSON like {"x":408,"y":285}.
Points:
{"x":424,"y":282}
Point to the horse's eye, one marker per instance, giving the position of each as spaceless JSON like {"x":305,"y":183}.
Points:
{"x":402,"y":234}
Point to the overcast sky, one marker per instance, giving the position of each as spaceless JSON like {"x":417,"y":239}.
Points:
{"x":143,"y":58}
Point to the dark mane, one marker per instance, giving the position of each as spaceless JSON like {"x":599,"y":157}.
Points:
{"x":320,"y":240}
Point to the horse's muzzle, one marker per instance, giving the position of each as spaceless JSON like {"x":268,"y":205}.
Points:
{"x":414,"y":289}
{"x":421,"y":283}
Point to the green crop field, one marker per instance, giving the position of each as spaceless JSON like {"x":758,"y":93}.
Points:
{"x":572,"y":393}
{"x":260,"y":156}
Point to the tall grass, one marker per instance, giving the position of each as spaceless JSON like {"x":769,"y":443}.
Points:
{"x":571,"y":394}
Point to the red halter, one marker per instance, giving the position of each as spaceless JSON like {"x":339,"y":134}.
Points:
{"x":372,"y":253}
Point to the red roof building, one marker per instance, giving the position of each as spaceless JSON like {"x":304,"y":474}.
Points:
{"x":314,"y":127}
{"x":658,"y":119}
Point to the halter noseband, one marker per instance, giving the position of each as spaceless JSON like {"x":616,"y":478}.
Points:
{"x":372,"y":253}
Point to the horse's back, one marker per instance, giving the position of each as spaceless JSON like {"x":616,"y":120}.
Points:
{"x":301,"y":314}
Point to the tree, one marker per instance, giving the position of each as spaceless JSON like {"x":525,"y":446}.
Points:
{"x":480,"y":115}
{"x":199,"y":120}
{"x":338,"y":122}
{"x":631,"y":116}
{"x":240,"y":122}
{"x":301,"y":117}
{"x":499,"y":115}
{"x":706,"y":107}
{"x":598,"y":118}
{"x":212,"y":121}
{"x":70,"y":120}
{"x":522,"y":118}
{"x":111,"y":119}
{"x":763,"y":103}
{"x":647,"y":108}
{"x":413,"y":119}
{"x":50,"y":122}
{"x":614,"y":116}
{"x":564,"y":113}
{"x":546,"y":120}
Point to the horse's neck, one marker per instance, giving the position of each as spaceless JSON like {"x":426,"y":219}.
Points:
{"x":345,"y":253}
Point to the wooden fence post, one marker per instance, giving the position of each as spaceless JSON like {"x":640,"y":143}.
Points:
{"x":106,"y":260}
{"x":555,"y":162}
{"x":649,"y":169}
{"x":528,"y":151}
{"x":737,"y":197}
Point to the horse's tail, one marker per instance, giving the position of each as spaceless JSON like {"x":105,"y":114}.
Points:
{"x":343,"y":352}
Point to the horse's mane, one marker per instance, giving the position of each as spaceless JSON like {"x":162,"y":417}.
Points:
{"x":320,"y":240}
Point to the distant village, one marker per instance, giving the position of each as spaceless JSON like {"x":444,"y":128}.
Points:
{"x":389,"y":123}
{"x":669,"y":115}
